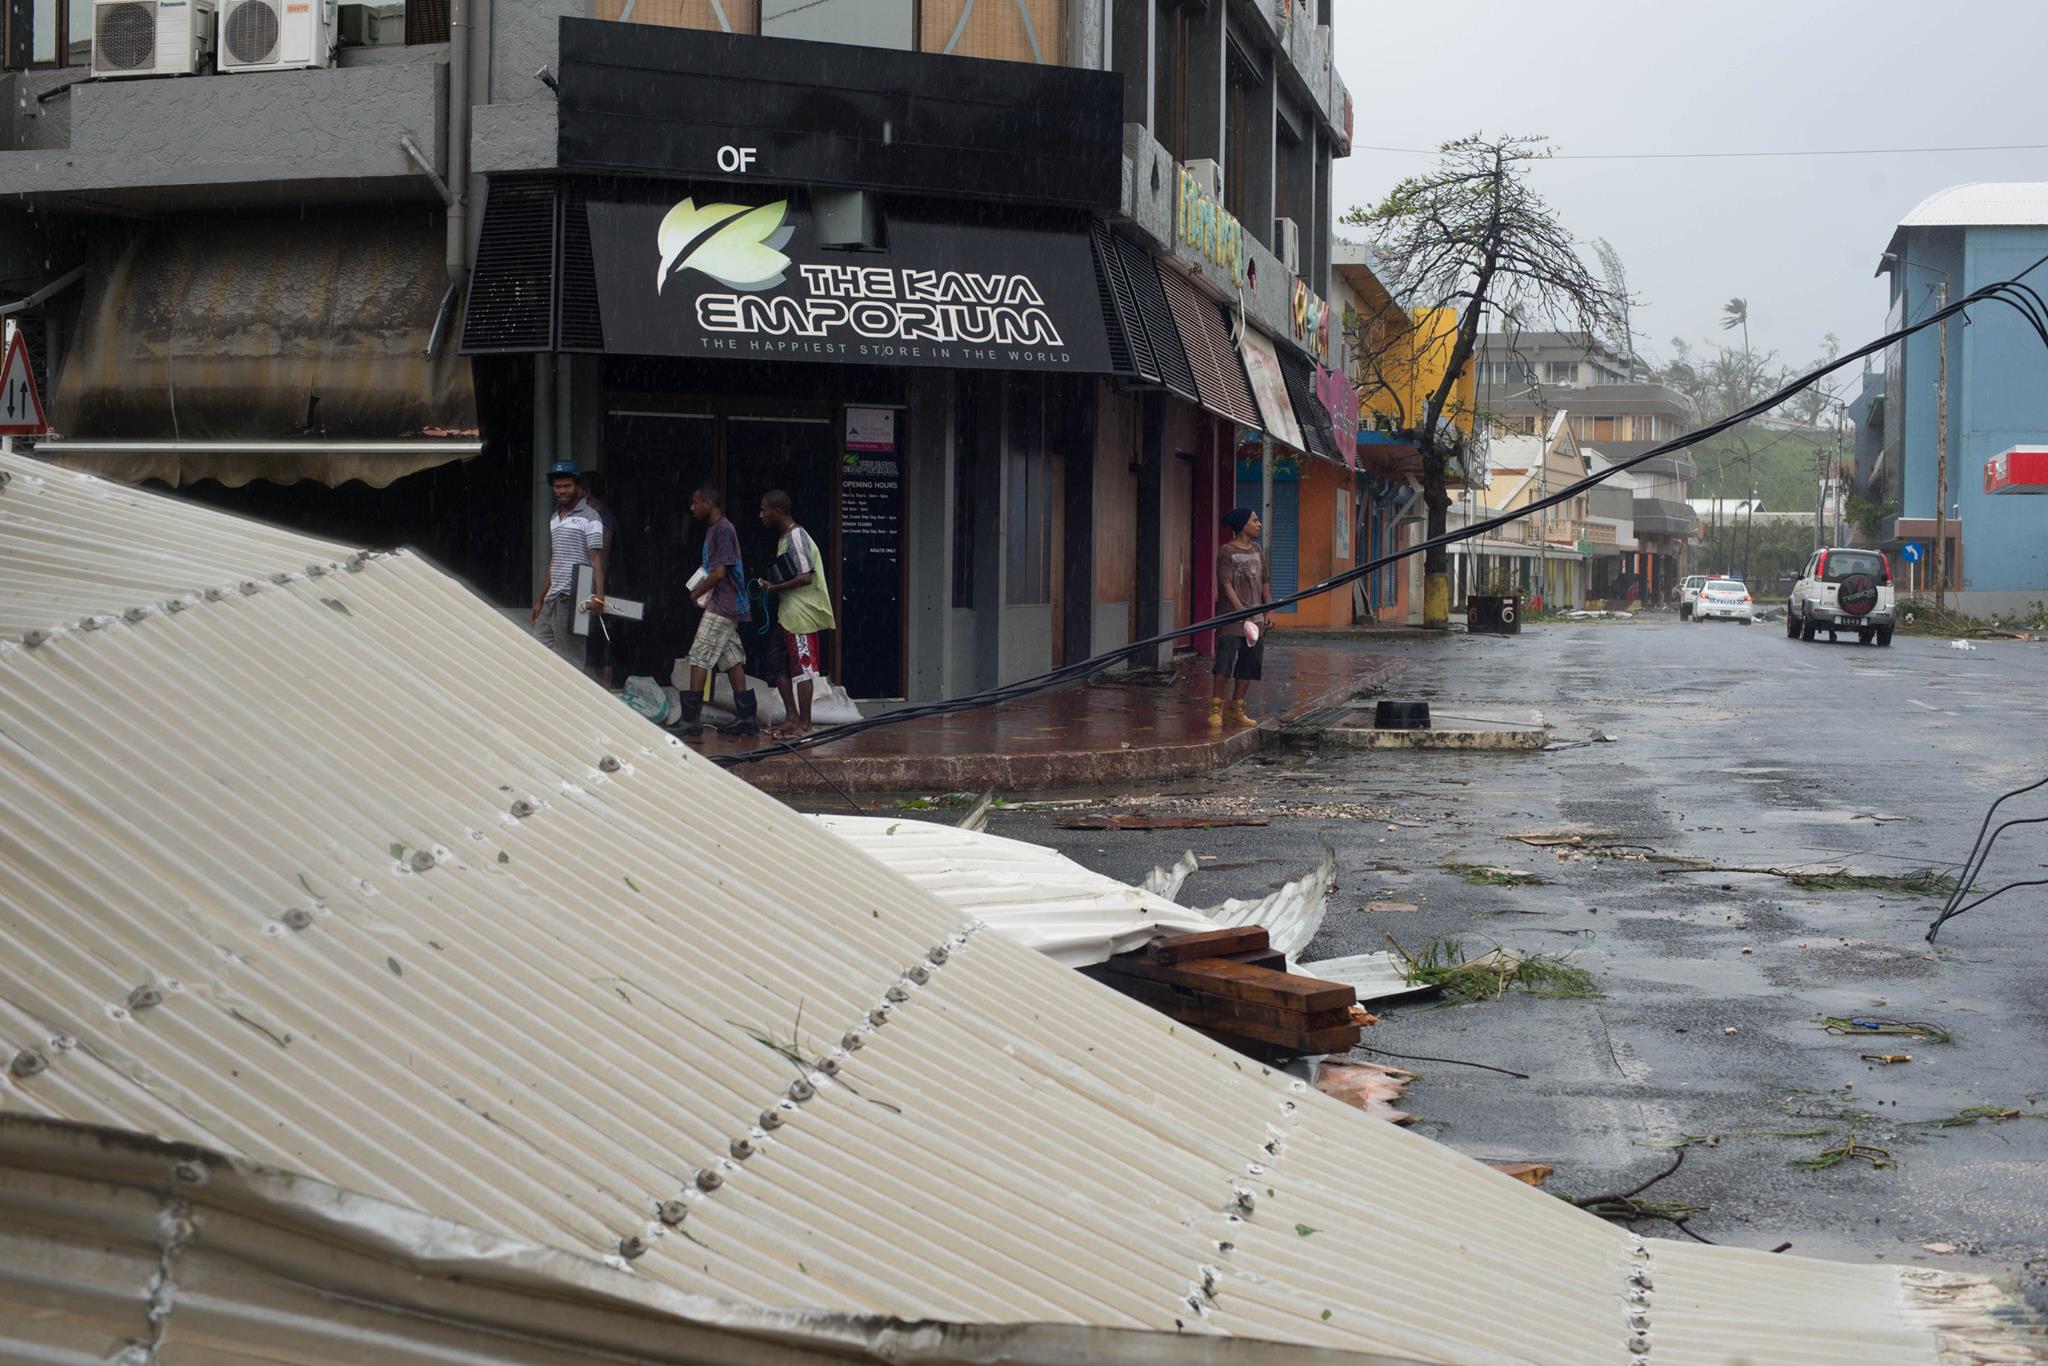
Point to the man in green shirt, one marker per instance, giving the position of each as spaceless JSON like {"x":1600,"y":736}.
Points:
{"x":803,"y":608}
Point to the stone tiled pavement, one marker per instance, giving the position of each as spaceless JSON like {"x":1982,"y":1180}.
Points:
{"x":1079,"y":736}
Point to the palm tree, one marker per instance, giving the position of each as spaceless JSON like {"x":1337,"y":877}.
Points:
{"x":1734,"y":314}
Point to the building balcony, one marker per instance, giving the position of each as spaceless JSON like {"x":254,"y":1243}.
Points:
{"x":1664,"y":517}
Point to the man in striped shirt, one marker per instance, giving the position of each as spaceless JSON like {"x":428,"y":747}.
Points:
{"x":575,"y":537}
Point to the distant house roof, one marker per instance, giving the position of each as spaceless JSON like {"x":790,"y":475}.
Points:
{"x":1977,"y":204}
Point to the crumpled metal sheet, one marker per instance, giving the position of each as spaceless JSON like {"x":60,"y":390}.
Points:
{"x":341,"y":874}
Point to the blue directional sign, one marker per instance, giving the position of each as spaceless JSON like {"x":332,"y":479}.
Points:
{"x":1911,"y":552}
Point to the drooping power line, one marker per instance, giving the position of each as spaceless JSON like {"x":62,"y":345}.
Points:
{"x":1728,"y":156}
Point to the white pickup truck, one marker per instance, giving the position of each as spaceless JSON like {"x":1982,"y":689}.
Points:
{"x":1843,"y":589}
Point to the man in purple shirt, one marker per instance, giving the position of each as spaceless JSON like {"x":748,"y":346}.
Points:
{"x":717,"y":589}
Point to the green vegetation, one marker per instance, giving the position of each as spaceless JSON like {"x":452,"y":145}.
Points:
{"x":1920,"y":882}
{"x":1486,"y":875}
{"x":1847,"y":1150}
{"x":1973,"y":1114}
{"x":1444,"y":965}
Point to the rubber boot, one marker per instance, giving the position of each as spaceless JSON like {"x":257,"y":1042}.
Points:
{"x":747,"y":715}
{"x":1215,"y":713}
{"x":692,"y":720}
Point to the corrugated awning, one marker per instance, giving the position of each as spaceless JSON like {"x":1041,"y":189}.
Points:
{"x":1150,"y":344}
{"x":1218,"y":375}
{"x":235,"y":463}
{"x":266,"y":330}
{"x":1308,"y":409}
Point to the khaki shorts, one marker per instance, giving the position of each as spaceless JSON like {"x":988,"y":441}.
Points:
{"x":717,"y":646}
{"x":556,"y":628}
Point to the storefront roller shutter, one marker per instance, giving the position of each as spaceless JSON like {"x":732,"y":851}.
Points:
{"x":511,"y":303}
{"x":1283,"y":533}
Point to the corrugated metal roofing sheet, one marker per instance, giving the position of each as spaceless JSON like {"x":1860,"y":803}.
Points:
{"x":341,"y":873}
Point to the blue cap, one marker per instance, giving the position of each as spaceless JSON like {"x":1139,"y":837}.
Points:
{"x":564,"y":467}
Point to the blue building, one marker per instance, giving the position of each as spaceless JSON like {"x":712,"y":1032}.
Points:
{"x":1963,"y":238}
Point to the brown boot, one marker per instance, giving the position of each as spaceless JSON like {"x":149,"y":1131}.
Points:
{"x":1215,"y":713}
{"x":1240,"y":717}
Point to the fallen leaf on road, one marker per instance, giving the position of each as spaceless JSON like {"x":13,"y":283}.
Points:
{"x":1528,"y":1173}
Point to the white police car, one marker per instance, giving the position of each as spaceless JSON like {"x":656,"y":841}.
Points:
{"x":1728,"y":599}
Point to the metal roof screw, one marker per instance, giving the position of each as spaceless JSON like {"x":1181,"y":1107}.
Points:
{"x":1209,"y":1281}
{"x":282,"y":578}
{"x":27,"y":1063}
{"x":742,"y":1149}
{"x":1639,"y":1322}
{"x":897,"y":994}
{"x":144,"y":996}
{"x":631,"y":1246}
{"x":90,"y":623}
{"x":35,"y":638}
{"x":134,"y":614}
{"x":5,"y":479}
{"x":176,"y":605}
{"x":523,"y":808}
{"x":297,"y":918}
{"x":879,"y":1016}
{"x":672,"y":1212}
{"x":1245,"y":1202}
{"x":709,"y":1179}
{"x":422,"y":860}
{"x":191,"y":1173}
{"x":919,"y":974}
{"x":771,"y":1118}
{"x":250,"y":588}
{"x":315,"y":571}
{"x":1641,"y":1280}
{"x":829,"y":1066}
{"x":1639,"y":1344}
{"x":216,"y":594}
{"x":801,"y":1090}
{"x":356,"y":562}
{"x":939,"y":954}
{"x":608,"y":765}
{"x":851,"y":1041}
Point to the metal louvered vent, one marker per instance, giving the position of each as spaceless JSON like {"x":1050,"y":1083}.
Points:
{"x":582,"y":318}
{"x":251,"y":32}
{"x":512,"y":285}
{"x":1218,"y":373}
{"x":124,"y":37}
{"x":1308,"y":409}
{"x":1167,"y":352}
{"x":1127,"y":355}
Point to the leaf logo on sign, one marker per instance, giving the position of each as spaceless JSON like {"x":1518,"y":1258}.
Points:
{"x":741,"y":254}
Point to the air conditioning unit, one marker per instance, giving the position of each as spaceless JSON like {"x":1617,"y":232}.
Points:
{"x":151,"y":37}
{"x":273,"y":35}
{"x":1209,"y":175}
{"x":1290,"y":244}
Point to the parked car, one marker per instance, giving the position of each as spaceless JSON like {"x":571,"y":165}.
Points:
{"x":1843,"y":589}
{"x":1687,"y":592}
{"x":1728,"y":599}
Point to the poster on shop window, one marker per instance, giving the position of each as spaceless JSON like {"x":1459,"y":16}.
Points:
{"x":871,"y":555}
{"x":726,"y":274}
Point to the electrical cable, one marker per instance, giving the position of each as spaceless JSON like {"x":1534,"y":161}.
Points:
{"x":2010,"y":886}
{"x":1454,"y":1062}
{"x":1733,"y":156}
{"x":1980,"y":852}
{"x":1095,"y":664}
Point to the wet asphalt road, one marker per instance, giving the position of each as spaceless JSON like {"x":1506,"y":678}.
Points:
{"x":1737,"y":745}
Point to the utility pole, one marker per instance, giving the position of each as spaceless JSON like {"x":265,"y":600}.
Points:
{"x":1941,"y":459}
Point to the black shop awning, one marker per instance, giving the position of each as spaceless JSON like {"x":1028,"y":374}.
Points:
{"x":231,"y":344}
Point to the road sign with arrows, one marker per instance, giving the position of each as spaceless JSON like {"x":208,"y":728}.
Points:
{"x":21,"y":408}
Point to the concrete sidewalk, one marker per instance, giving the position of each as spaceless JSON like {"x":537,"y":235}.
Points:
{"x":1080,"y":736}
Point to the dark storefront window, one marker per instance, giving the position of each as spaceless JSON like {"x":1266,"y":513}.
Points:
{"x":1027,"y":502}
{"x":1170,"y":73}
{"x":966,"y":497}
{"x":1237,"y":132}
{"x":49,"y":32}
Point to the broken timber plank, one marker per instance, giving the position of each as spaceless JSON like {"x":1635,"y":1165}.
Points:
{"x":1240,"y":981}
{"x":1243,"y":939}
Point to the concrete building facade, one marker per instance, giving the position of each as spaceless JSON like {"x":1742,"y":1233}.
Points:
{"x":413,"y":271}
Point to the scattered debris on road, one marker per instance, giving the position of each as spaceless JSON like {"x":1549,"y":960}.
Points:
{"x":1443,"y":964}
{"x":1231,"y":984}
{"x":1138,"y":820}
{"x":1528,"y":1173}
{"x":1886,"y":1058}
{"x":1488,"y":875}
{"x":1870,"y":1024}
{"x":1370,"y":1086}
{"x":1848,"y":1149}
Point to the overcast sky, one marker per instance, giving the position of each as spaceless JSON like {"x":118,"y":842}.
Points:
{"x":1798,"y":237}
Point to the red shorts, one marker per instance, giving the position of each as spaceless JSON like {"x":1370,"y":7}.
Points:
{"x":801,"y":652}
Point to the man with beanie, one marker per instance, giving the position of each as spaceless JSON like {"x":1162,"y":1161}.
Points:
{"x":1241,"y":582}
{"x":575,"y":537}
{"x":716,"y":587}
